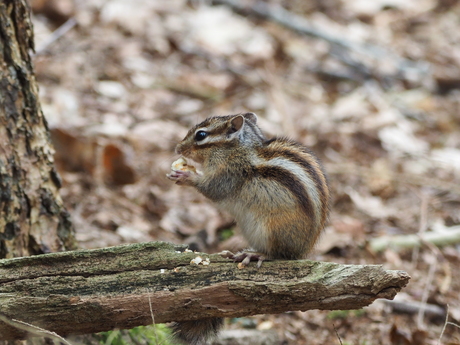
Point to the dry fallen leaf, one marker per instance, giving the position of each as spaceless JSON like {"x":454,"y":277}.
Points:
{"x":116,"y":168}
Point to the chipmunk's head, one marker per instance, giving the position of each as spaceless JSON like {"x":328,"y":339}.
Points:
{"x":220,"y":133}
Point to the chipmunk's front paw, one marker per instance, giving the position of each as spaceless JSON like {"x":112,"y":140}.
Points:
{"x":182,"y":173}
{"x":179,"y":176}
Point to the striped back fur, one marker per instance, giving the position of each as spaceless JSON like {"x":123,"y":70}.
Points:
{"x":299,"y":170}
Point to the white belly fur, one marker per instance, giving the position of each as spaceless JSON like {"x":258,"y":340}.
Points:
{"x":251,"y":225}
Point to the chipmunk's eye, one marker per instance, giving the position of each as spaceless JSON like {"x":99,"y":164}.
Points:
{"x":200,"y":135}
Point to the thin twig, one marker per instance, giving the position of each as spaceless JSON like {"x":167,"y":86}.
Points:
{"x":440,"y":258}
{"x":27,"y":327}
{"x":153,"y":319}
{"x":423,"y":225}
{"x":437,"y":255}
{"x":453,"y":324}
{"x":444,"y":327}
{"x":337,"y":334}
{"x":56,"y":34}
{"x":426,"y":291}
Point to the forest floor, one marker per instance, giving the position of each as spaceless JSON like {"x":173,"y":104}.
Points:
{"x":376,"y":94}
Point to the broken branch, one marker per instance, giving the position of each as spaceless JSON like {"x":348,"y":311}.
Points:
{"x":97,"y":290}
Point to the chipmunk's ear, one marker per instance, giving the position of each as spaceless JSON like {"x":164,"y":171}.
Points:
{"x":251,"y":117}
{"x":236,"y":123}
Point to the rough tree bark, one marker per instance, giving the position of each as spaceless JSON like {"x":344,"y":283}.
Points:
{"x":97,"y":290}
{"x":33,"y":219}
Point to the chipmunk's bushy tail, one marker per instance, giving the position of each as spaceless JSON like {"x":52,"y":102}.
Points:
{"x":196,"y":332}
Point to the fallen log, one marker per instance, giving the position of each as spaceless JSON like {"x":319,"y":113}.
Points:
{"x":97,"y":290}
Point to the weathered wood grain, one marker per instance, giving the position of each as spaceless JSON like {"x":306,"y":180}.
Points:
{"x":97,"y":290}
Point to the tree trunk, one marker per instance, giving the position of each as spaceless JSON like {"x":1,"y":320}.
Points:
{"x":33,"y":219}
{"x":98,"y":290}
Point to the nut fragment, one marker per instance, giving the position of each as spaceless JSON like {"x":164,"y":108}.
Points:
{"x":181,"y":164}
{"x":199,"y":260}
{"x":196,"y":261}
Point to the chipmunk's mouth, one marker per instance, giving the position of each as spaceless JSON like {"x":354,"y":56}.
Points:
{"x":192,"y":155}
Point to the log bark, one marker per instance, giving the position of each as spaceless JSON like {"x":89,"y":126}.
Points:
{"x":97,"y":290}
{"x":33,"y":219}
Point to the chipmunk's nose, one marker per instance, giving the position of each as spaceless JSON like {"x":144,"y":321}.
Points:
{"x":179,"y":149}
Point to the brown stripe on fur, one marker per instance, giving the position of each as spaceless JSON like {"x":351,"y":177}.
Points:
{"x":221,"y":144}
{"x":210,"y":124}
{"x":224,"y":125}
{"x":310,"y":164}
{"x":211,"y":120}
{"x":291,"y":182}
{"x":220,"y":130}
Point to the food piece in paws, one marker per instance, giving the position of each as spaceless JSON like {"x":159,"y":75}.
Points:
{"x":181,"y":165}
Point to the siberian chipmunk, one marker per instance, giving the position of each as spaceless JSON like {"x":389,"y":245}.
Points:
{"x":276,"y":189}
